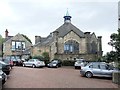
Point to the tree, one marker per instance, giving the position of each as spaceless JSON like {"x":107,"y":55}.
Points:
{"x":37,"y":57}
{"x":1,"y":46}
{"x":110,"y":56}
{"x":46,"y":57}
{"x":114,"y":42}
{"x":1,"y":39}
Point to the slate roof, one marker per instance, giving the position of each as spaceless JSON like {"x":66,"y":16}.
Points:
{"x":63,"y":30}
{"x":27,"y":51}
{"x":46,"y":41}
{"x":9,"y":37}
{"x":42,"y":39}
{"x":66,"y":28}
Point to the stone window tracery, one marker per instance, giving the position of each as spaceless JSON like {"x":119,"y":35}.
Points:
{"x":71,"y":46}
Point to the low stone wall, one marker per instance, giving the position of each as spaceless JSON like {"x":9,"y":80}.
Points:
{"x":116,"y":77}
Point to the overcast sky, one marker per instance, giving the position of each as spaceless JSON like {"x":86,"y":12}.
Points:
{"x":40,"y":17}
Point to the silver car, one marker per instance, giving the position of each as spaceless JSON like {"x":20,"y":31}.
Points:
{"x":34,"y":63}
{"x":100,"y":69}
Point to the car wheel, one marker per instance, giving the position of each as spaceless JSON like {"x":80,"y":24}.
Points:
{"x":7,"y":73}
{"x":3,"y":81}
{"x":75,"y":67}
{"x":33,"y":66}
{"x":88,"y":74}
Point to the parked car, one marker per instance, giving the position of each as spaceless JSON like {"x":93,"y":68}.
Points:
{"x":8,"y":61}
{"x":34,"y":63}
{"x":100,"y":69}
{"x":79,"y":63}
{"x":55,"y":63}
{"x":20,"y":62}
{"x":15,"y":60}
{"x":5,"y":67}
{"x":3,"y":77}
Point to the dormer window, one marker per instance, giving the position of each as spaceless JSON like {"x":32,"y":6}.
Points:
{"x":18,"y":46}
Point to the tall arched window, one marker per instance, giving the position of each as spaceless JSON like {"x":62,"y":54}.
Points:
{"x":94,"y":47}
{"x":71,"y":46}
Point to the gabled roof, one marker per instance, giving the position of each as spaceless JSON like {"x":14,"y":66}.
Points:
{"x":93,"y":35}
{"x":66,"y":28}
{"x":11,"y":37}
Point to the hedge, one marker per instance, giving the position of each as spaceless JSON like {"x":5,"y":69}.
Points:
{"x":68,"y":63}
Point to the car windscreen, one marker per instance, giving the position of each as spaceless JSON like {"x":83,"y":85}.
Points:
{"x":6,"y":60}
{"x":36,"y":60}
{"x":110,"y":67}
{"x":54,"y":62}
{"x":2,"y":62}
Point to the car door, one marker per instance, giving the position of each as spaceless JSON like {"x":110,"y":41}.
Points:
{"x":31,"y":62}
{"x":106,"y":70}
{"x":95,"y":69}
{"x":28,"y":63}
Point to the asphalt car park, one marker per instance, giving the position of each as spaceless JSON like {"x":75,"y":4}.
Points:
{"x":63,"y":77}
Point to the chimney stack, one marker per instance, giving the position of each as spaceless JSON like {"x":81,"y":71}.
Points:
{"x":100,"y":45}
{"x":37,"y":39}
{"x":6,"y":33}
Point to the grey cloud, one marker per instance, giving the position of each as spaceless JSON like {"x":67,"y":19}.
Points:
{"x":41,"y":17}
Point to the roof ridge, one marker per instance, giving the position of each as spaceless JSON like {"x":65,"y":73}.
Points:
{"x":66,"y":27}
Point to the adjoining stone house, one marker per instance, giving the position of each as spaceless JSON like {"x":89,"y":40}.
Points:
{"x":68,"y":43}
{"x":15,"y":45}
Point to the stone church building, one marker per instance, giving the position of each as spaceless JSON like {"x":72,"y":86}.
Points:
{"x":69,"y":43}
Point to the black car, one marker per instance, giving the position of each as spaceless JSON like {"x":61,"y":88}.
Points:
{"x":5,"y":67}
{"x":14,"y":59}
{"x":55,"y":63}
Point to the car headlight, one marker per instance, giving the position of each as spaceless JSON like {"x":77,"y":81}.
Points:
{"x":54,"y":64}
{"x":0,"y":77}
{"x":75,"y":63}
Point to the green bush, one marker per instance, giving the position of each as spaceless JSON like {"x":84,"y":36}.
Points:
{"x":68,"y":63}
{"x":41,"y":58}
{"x":38,"y":57}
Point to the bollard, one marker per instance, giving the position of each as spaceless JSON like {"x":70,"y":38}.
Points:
{"x":116,"y":77}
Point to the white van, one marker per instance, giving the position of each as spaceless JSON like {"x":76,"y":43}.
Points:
{"x":80,"y":63}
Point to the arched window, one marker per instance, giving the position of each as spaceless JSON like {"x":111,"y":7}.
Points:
{"x":94,"y":47}
{"x":71,"y":46}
